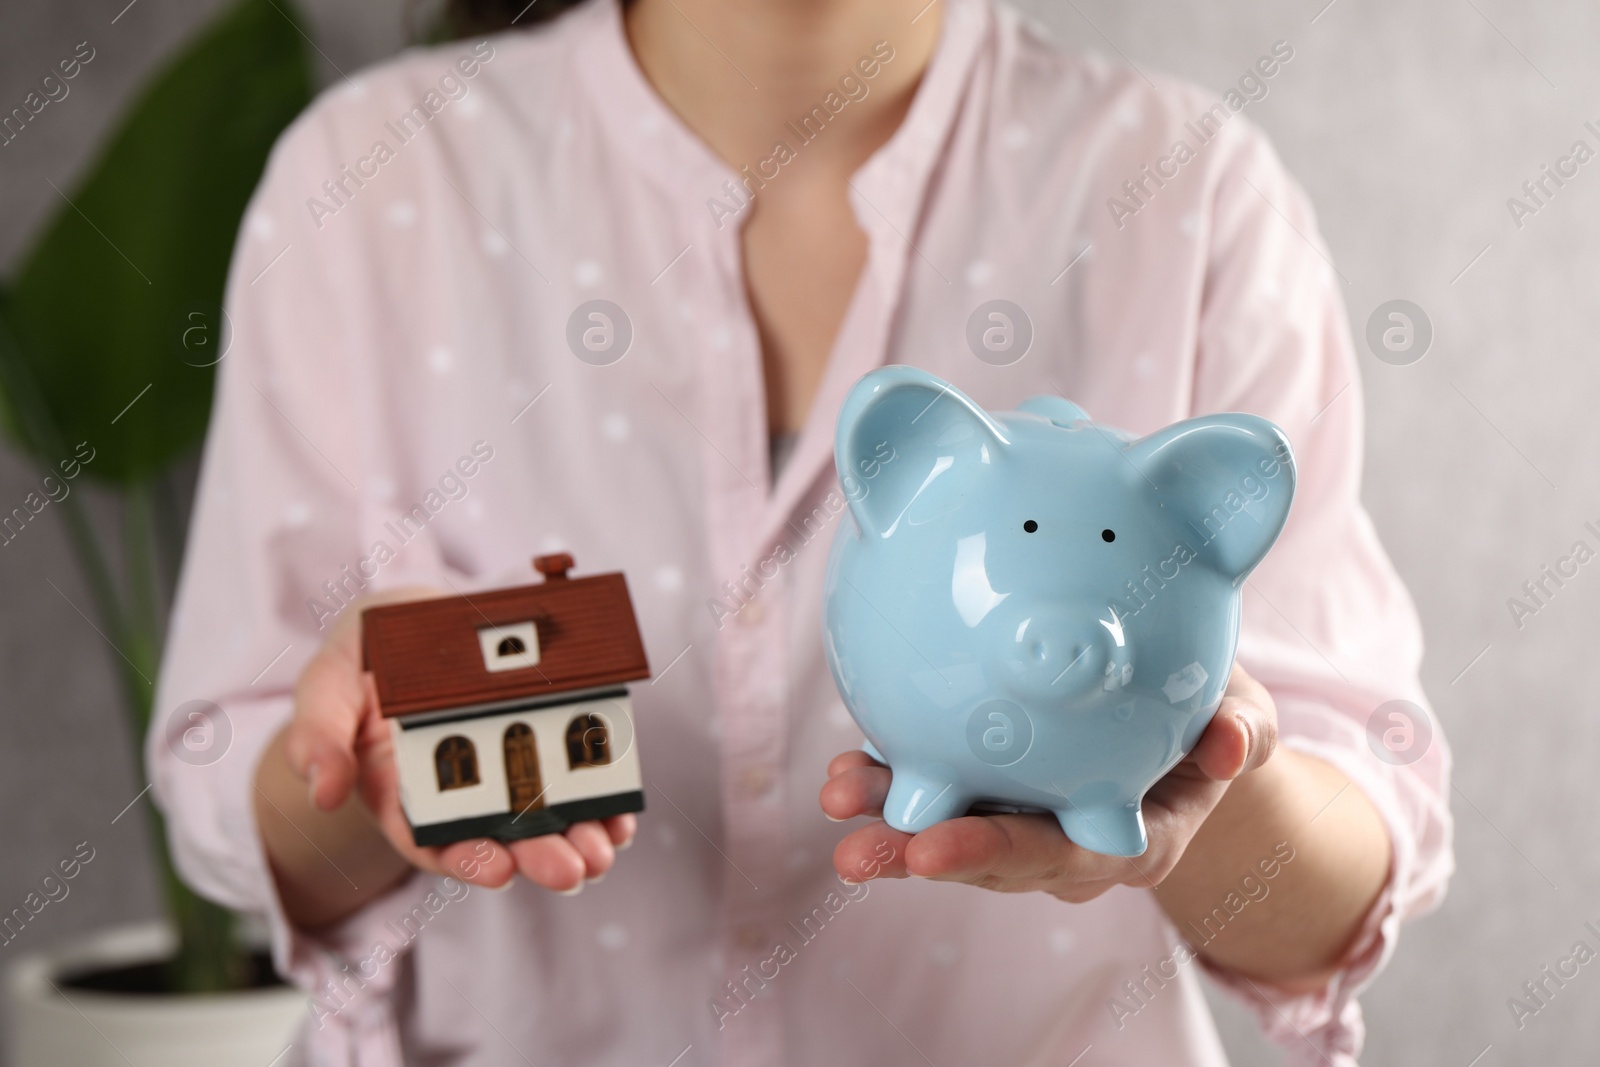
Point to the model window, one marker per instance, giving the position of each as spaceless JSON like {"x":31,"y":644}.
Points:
{"x":588,"y":742}
{"x":456,"y":760}
{"x":511,"y":646}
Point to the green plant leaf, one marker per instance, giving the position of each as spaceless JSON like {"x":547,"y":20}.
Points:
{"x":124,"y":288}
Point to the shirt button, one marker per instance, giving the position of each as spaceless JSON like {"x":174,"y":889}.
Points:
{"x":750,"y":936}
{"x":753,"y":614}
{"x":756,"y":781}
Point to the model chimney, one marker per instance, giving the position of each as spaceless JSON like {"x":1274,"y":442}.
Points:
{"x":553,"y":566}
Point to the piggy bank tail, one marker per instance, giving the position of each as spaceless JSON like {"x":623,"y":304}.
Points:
{"x":1111,"y":829}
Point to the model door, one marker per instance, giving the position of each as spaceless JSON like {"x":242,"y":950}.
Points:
{"x":522,"y":769}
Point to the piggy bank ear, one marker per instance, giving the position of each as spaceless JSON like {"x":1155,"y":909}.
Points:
{"x":1227,"y":479}
{"x":906,"y":447}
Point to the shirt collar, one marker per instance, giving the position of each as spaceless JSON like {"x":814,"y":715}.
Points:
{"x":891,"y":182}
{"x":894,"y":181}
{"x":634,"y":115}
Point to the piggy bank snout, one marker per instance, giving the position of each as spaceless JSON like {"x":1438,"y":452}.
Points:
{"x":1059,"y":654}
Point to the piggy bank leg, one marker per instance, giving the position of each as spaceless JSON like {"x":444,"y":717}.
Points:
{"x":1111,"y":829}
{"x":917,"y":801}
{"x":872,"y":750}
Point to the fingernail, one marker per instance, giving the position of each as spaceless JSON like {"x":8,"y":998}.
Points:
{"x":501,"y":888}
{"x":574,"y":891}
{"x":596,"y":878}
{"x":848,"y":881}
{"x":311,"y":783}
{"x":624,"y":846}
{"x":830,"y":818}
{"x":1249,"y":743}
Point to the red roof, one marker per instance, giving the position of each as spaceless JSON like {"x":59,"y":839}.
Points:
{"x":425,"y":655}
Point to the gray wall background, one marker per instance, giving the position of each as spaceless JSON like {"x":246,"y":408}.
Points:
{"x":1409,"y":125}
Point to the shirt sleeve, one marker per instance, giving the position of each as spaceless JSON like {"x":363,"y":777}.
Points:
{"x":275,"y":533}
{"x":1328,"y":627}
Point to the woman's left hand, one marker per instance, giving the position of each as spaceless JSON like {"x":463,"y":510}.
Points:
{"x":1025,"y":853}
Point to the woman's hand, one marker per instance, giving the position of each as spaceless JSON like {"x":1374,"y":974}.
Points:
{"x":331,"y":777}
{"x":1027,"y":853}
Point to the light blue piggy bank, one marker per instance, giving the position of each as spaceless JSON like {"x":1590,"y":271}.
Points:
{"x":1032,"y":611}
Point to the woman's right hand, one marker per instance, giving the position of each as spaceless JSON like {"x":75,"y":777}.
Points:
{"x":328,"y":802}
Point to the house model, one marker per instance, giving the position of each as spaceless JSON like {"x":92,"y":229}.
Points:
{"x":509,"y":709}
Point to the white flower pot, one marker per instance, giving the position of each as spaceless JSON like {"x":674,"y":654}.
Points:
{"x":52,"y":1025}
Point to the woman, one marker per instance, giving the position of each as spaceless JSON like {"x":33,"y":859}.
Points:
{"x":772,"y":199}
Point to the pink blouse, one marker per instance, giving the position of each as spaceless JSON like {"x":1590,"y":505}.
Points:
{"x":412,"y":287}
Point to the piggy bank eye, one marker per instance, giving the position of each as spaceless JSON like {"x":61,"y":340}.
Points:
{"x":1030,"y":526}
{"x":1108,"y":536}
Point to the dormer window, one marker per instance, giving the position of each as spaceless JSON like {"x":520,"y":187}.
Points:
{"x":512,"y":647}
